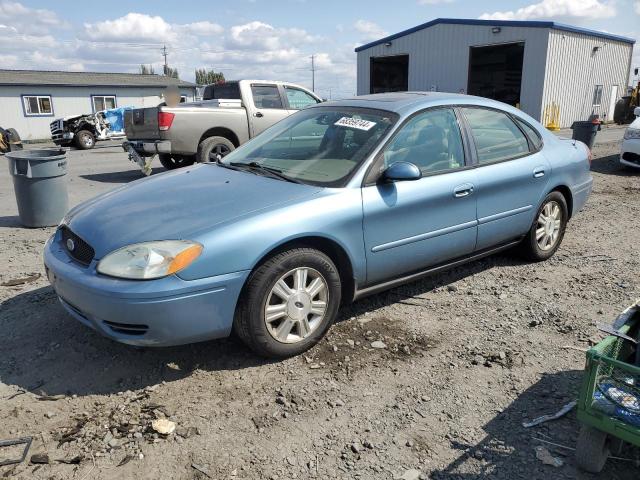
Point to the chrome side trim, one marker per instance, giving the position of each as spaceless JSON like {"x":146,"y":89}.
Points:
{"x":424,"y":236}
{"x":508,"y":213}
{"x":360,"y":293}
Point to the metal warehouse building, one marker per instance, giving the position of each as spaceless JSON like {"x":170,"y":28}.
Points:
{"x":30,"y":99}
{"x":556,"y":73}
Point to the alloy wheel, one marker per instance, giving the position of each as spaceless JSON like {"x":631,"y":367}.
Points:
{"x":296,"y":305}
{"x":548,"y":226}
{"x":218,"y":152}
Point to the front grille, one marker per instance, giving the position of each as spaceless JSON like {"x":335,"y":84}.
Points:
{"x":127,"y":328}
{"x":76,"y":247}
{"x":631,"y":157}
{"x":57,"y":129}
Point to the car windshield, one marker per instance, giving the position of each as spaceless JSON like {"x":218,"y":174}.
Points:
{"x":319,"y":146}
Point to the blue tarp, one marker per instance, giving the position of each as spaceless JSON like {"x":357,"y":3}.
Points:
{"x":115,"y":117}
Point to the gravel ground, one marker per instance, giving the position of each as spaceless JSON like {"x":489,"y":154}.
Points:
{"x":469,"y":355}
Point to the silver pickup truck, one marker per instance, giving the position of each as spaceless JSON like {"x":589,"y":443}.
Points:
{"x":229,"y":114}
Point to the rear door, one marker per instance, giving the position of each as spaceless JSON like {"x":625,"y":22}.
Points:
{"x":512,"y":174}
{"x":141,"y":124}
{"x":268,"y":107}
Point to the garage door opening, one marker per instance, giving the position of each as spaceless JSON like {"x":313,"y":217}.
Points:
{"x":389,"y":74}
{"x":496,"y":72}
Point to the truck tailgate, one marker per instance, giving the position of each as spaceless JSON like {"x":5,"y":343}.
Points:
{"x":142,"y":124}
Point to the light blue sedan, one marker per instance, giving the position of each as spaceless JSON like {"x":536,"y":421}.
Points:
{"x":338,"y":201}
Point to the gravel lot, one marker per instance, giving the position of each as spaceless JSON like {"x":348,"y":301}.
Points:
{"x":469,"y":356}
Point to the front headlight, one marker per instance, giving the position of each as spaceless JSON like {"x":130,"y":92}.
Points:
{"x":632,"y":133}
{"x":145,"y":261}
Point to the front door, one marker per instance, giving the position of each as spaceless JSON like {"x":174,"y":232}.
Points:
{"x":410,"y":225}
{"x":512,"y":175}
{"x":268,"y":108}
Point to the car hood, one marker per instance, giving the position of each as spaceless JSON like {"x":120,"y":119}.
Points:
{"x":177,"y":205}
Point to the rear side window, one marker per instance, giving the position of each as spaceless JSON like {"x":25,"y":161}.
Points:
{"x":532,"y":133}
{"x":226,"y":91}
{"x":495,"y":135}
{"x":266,"y":96}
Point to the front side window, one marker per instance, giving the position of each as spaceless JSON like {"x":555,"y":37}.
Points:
{"x":495,"y":135}
{"x":318,"y":146}
{"x":37,"y":105}
{"x":597,"y":96}
{"x":266,"y":96}
{"x":299,"y":99}
{"x":431,"y":140}
{"x":103,"y":102}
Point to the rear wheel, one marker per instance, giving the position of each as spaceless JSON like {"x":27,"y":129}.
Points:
{"x":213,"y":149}
{"x":547,"y":231}
{"x":171,"y":162}
{"x":85,"y":140}
{"x":592,"y":449}
{"x":288,"y":303}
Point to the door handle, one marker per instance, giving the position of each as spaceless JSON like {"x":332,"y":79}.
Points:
{"x":258,"y":114}
{"x":463,"y":190}
{"x":538,"y":172}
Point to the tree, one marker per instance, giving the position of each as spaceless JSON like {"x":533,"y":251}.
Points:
{"x":147,"y":70}
{"x":171,"y":72}
{"x":207,"y":77}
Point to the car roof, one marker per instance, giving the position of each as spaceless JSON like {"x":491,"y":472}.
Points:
{"x":407,"y":102}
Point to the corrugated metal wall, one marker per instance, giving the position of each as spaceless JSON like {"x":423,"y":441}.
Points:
{"x":68,"y":101}
{"x":439,"y":56}
{"x":573,"y":71}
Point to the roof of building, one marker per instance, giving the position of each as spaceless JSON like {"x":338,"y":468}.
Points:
{"x":498,"y":23}
{"x":87,"y":79}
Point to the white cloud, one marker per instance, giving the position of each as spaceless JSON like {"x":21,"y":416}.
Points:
{"x":557,"y":8}
{"x":433,"y":2}
{"x":637,"y":5}
{"x":204,"y":28}
{"x":131,"y":27}
{"x":369,"y":30}
{"x":261,"y":36}
{"x":28,"y":20}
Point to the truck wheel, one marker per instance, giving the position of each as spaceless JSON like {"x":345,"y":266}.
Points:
{"x":592,"y":449}
{"x":212,"y":149}
{"x":85,"y":140}
{"x":171,"y":162}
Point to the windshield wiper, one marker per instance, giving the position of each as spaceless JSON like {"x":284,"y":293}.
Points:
{"x":274,"y":172}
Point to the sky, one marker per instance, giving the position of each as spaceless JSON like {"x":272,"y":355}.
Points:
{"x":266,"y":39}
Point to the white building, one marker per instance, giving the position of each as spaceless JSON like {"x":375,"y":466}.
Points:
{"x":30,"y":100}
{"x":556,"y":73}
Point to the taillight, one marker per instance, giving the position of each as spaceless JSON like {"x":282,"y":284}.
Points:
{"x":165,"y":119}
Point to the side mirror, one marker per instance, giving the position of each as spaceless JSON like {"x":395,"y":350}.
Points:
{"x":401,"y":171}
{"x":636,"y":112}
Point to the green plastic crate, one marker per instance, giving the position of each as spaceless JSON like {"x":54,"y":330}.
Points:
{"x":609,"y":360}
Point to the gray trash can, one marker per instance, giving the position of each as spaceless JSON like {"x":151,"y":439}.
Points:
{"x":40,"y":185}
{"x":585,"y":132}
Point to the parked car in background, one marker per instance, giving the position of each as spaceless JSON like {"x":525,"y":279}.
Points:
{"x":338,"y":201}
{"x":84,"y":130}
{"x":630,"y":156}
{"x":229,"y":114}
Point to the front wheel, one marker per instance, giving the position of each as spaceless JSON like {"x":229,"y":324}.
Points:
{"x":85,"y":140}
{"x":288,"y":303}
{"x":546,"y":233}
{"x":171,"y":162}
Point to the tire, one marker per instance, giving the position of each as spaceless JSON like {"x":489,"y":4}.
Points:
{"x":250,"y":323}
{"x":14,"y":139}
{"x":171,"y":162}
{"x":85,"y":140}
{"x":209,"y":146}
{"x":592,"y":449}
{"x":530,"y":247}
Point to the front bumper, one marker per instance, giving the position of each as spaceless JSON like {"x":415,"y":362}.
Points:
{"x":163,"y":312}
{"x":630,"y":155}
{"x":146,"y":148}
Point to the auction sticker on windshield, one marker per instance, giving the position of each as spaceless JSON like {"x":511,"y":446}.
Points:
{"x":355,"y":123}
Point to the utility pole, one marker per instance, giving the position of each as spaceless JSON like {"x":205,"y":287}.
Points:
{"x":313,"y":73}
{"x":164,"y":53}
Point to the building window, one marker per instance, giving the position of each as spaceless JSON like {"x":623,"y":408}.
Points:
{"x":597,"y":96}
{"x":183,"y":99}
{"x":35,"y":105}
{"x":103,"y":102}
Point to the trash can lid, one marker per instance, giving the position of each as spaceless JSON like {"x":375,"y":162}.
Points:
{"x":38,"y":154}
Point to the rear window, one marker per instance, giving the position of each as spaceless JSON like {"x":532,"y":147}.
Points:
{"x":227,"y":91}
